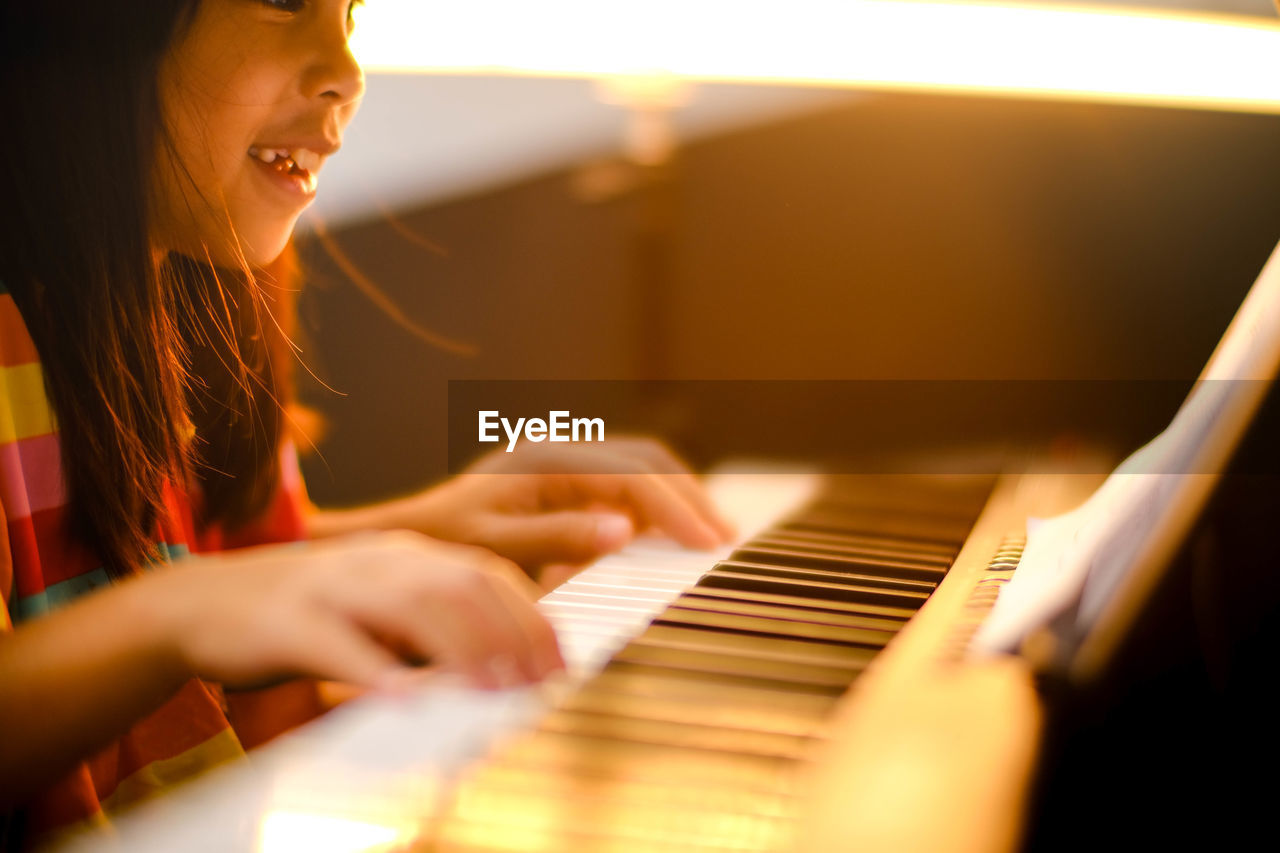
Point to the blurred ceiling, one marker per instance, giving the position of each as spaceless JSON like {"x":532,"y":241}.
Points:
{"x":421,"y":139}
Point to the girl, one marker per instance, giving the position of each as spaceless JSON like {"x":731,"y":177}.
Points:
{"x":155,"y":160}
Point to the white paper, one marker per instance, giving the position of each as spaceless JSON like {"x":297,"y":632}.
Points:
{"x":1082,"y":557}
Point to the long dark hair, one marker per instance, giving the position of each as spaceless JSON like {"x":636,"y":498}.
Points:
{"x":146,"y":384}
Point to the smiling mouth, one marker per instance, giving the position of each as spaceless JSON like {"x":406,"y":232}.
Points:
{"x":300,"y":164}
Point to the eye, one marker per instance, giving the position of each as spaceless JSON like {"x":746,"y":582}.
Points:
{"x":294,"y":6}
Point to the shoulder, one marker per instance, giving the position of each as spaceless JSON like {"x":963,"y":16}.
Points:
{"x":15,"y":342}
{"x":24,"y":407}
{"x":27,"y":437}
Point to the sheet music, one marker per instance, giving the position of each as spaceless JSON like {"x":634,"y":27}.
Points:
{"x":1079,"y":559}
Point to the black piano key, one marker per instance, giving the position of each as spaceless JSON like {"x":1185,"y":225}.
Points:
{"x":813,"y":589}
{"x":681,"y":734}
{"x":581,"y":755}
{"x":855,"y":566}
{"x":711,"y":662}
{"x":941,"y":533}
{"x":790,"y":614}
{"x":813,"y":652}
{"x":807,"y":603}
{"x":723,"y":715}
{"x":640,"y":664}
{"x":923,"y":559}
{"x":763,"y":626}
{"x":749,"y":709}
{"x":627,"y":680}
{"x":827,"y":575}
{"x":888,"y":545}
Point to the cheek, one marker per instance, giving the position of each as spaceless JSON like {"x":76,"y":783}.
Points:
{"x":186,"y":159}
{"x":212,"y":150}
{"x":213,"y":117}
{"x":204,"y":171}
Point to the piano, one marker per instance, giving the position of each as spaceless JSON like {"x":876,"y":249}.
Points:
{"x":806,"y":688}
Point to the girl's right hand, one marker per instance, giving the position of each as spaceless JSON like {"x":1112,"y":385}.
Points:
{"x":360,"y":609}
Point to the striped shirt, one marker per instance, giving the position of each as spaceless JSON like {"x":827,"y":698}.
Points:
{"x":42,"y":569}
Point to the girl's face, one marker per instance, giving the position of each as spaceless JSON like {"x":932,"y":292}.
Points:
{"x":255,"y":96}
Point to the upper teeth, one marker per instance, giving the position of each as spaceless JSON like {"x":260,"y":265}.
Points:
{"x":303,"y":158}
{"x":306,"y":159}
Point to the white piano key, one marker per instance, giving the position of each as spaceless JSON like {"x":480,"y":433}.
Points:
{"x":603,"y":628}
{"x":636,"y":581}
{"x":594,"y":615}
{"x":656,"y":572}
{"x":673,"y":589}
{"x":600,"y":631}
{"x":567,"y":596}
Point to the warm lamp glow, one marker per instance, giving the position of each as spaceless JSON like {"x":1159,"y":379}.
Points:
{"x":1175,"y":59}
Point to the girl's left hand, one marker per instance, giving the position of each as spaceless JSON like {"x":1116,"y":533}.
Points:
{"x":547,"y":505}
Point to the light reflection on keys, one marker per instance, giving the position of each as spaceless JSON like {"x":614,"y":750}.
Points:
{"x":597,"y":611}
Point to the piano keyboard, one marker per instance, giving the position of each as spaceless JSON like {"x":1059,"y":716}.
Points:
{"x":695,"y":734}
{"x":696,"y":698}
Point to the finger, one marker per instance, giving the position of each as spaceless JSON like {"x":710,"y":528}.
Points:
{"x":554,"y":574}
{"x":656,"y":499}
{"x":463,"y":635}
{"x":489,"y":613}
{"x":664,"y":461}
{"x":661,"y":458}
{"x":536,"y":650}
{"x":428,"y":612}
{"x":542,"y":649}
{"x":692,"y":490}
{"x":330,"y":647}
{"x":569,"y":536}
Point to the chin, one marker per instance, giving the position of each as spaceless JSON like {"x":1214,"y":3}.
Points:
{"x":256,"y":242}
{"x":263,"y":247}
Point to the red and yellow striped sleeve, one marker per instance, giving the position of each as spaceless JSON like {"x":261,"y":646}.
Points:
{"x":32,"y":489}
{"x":6,"y":573}
{"x":24,"y":415}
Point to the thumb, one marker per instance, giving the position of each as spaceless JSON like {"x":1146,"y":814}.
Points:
{"x":570,"y":536}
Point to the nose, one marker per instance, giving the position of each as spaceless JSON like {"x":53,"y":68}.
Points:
{"x":334,"y":73}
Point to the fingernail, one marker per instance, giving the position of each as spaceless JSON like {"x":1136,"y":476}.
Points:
{"x":612,"y":532}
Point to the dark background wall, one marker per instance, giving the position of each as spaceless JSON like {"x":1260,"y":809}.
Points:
{"x":899,"y":237}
